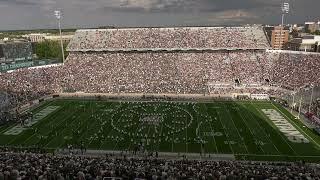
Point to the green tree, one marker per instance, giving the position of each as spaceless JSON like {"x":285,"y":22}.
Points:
{"x":50,"y":50}
{"x":317,"y":32}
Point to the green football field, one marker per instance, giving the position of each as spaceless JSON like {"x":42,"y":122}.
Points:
{"x":253,"y":130}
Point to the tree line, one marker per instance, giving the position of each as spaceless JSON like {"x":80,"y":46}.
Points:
{"x":50,"y":50}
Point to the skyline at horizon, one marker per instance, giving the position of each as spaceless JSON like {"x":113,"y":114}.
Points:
{"x":39,"y":14}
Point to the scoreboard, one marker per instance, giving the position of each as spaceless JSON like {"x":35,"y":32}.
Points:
{"x":1,"y":54}
{"x":15,"y":51}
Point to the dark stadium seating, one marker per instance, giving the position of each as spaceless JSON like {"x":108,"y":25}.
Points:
{"x":41,"y":166}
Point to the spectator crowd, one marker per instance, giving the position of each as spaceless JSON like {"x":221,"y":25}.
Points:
{"x":252,"y":37}
{"x":166,"y":60}
{"x":46,"y":166}
{"x":158,"y":60}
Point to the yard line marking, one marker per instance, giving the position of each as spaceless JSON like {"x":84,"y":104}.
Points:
{"x":277,"y":155}
{"x":160,"y":139}
{"x":236,"y":129}
{"x":65,"y":119}
{"x":252,"y":134}
{"x":116,"y":109}
{"x":198,"y":125}
{"x":30,"y":136}
{"x":294,"y":123}
{"x":213,"y":137}
{"x":262,"y":128}
{"x":172,"y":138}
{"x":135,"y":132}
{"x":95,"y":120}
{"x":186,"y":142}
{"x":38,"y":109}
{"x":226,"y":134}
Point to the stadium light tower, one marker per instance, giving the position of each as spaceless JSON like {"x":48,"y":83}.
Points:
{"x":59,"y":16}
{"x":285,"y":7}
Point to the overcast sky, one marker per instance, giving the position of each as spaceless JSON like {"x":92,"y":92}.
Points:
{"x":31,"y":14}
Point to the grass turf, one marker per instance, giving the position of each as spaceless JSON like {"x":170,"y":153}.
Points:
{"x":226,"y":127}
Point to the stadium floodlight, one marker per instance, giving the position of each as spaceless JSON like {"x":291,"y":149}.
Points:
{"x":58,"y":15}
{"x":285,"y":7}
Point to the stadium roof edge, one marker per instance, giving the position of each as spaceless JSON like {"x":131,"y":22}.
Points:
{"x":161,"y":49}
{"x":178,"y":27}
{"x":292,"y":52}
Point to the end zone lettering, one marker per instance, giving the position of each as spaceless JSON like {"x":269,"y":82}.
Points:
{"x":285,"y":127}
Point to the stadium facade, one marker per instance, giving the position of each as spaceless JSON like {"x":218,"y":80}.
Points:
{"x":212,"y":61}
{"x":188,"y":60}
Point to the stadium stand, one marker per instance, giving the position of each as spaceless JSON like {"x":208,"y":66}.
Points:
{"x":180,"y":60}
{"x":204,"y":60}
{"x":184,"y":38}
{"x":42,"y":166}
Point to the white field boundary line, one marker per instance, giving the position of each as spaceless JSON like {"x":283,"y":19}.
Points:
{"x":134,"y":137}
{"x":213,"y":137}
{"x":93,"y":125}
{"x":228,"y":112}
{"x":89,"y":127}
{"x":96,"y":112}
{"x":172,"y":138}
{"x":186,"y":141}
{"x":273,"y":125}
{"x":105,"y":136}
{"x":297,"y":126}
{"x":198,"y":125}
{"x":149,"y":137}
{"x":37,"y":124}
{"x":262,"y":128}
{"x":119,"y":134}
{"x":51,"y":122}
{"x":160,"y":137}
{"x":164,"y":154}
{"x":275,"y":155}
{"x":252,"y":134}
{"x":64,"y":120}
{"x":38,"y":110}
{"x":226,"y":134}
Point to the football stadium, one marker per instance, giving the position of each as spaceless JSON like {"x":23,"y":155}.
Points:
{"x":170,"y":103}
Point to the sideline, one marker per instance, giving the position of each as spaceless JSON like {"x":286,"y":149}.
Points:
{"x":297,"y":126}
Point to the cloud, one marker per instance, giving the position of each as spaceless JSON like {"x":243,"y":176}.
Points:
{"x":18,"y":2}
{"x":151,"y":5}
{"x":235,"y":14}
{"x":92,"y":13}
{"x":144,"y":4}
